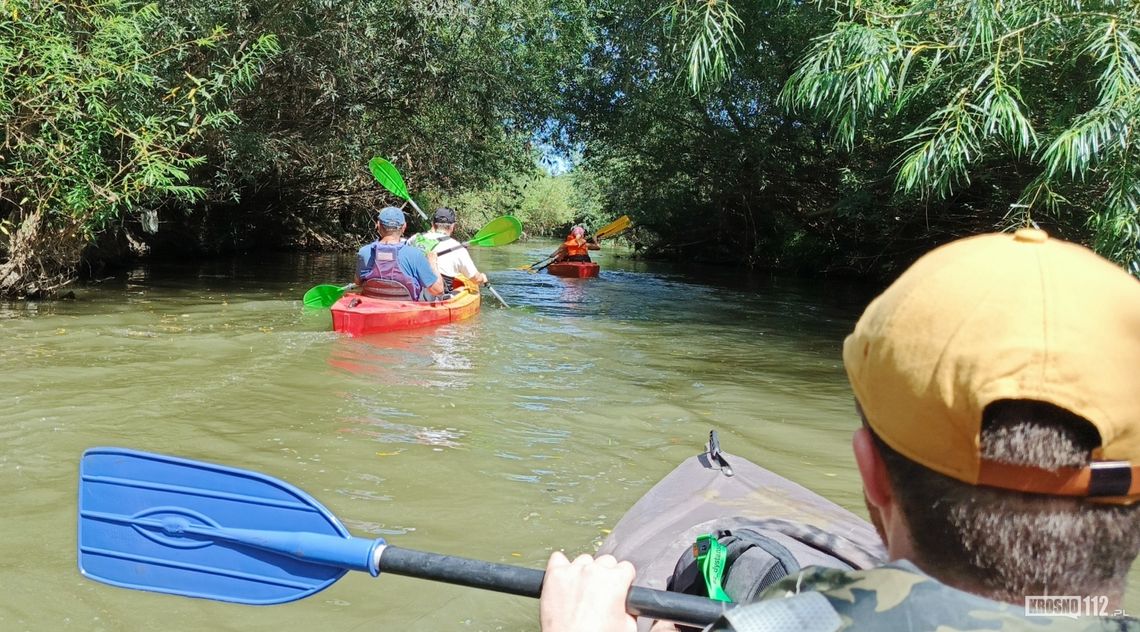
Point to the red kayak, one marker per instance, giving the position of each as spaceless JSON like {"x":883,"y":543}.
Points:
{"x":360,"y":315}
{"x":574,"y":269}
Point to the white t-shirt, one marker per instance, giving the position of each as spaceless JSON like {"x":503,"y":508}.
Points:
{"x":457,"y":261}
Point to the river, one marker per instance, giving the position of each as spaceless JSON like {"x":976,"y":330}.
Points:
{"x":503,"y":437}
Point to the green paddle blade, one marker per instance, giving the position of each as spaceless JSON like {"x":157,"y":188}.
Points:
{"x":614,"y":227}
{"x":325,"y":295}
{"x":498,"y":232}
{"x":387,"y":175}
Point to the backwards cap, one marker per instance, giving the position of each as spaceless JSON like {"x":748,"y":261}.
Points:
{"x":996,"y":317}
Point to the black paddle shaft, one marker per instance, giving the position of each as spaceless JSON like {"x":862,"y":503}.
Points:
{"x":527,"y":582}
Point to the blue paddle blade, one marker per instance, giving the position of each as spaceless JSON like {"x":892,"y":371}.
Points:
{"x":164,"y":524}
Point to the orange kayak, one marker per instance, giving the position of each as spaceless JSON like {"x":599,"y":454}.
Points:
{"x":359,"y":315}
{"x":574,"y":269}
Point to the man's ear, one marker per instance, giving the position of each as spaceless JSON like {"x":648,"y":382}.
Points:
{"x":876,"y":482}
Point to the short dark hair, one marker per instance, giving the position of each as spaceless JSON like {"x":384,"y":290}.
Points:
{"x":1012,"y":543}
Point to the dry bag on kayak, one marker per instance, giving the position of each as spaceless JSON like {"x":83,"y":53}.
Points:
{"x":757,"y":556}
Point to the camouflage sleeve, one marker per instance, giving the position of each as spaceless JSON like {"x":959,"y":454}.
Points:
{"x":900,"y":597}
{"x":812,"y":579}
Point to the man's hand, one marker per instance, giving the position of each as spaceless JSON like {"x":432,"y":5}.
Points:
{"x":587,"y":595}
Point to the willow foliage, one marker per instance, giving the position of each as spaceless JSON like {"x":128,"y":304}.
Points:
{"x":546,"y":204}
{"x":450,"y":91}
{"x":705,"y":35}
{"x":248,"y":123}
{"x":1049,"y":89}
{"x":97,"y":125}
{"x":675,"y":105}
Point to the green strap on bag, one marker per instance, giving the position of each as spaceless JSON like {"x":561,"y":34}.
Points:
{"x":711,"y":557}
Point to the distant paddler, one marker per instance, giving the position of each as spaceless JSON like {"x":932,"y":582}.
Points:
{"x":576,"y":247}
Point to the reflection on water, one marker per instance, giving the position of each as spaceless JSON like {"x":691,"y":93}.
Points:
{"x":501,"y":437}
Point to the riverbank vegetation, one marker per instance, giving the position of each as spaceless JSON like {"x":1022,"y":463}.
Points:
{"x":836,"y":137}
{"x":177,"y":127}
{"x":854,"y":135}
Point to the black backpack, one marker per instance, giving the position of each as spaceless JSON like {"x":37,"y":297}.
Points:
{"x":763,"y":553}
{"x":754,"y":561}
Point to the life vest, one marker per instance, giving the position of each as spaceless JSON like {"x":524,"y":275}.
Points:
{"x":429,"y":242}
{"x":385,"y":265}
{"x":574,"y":250}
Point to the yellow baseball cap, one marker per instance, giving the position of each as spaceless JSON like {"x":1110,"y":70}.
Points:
{"x":996,"y":317}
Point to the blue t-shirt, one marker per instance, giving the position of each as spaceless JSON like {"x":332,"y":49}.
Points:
{"x":412,"y":261}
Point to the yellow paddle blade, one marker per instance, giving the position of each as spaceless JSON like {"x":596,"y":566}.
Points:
{"x":614,"y":227}
{"x":463,"y":282}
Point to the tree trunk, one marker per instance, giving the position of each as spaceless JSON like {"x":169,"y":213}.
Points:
{"x":40,"y":261}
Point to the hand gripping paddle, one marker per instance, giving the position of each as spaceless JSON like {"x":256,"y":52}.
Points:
{"x":165,"y":524}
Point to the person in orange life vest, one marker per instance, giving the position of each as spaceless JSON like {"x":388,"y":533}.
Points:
{"x":576,"y":247}
{"x":390,"y":258}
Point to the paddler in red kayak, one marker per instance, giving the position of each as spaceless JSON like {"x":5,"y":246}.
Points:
{"x":388,"y":264}
{"x":999,"y":452}
{"x":455,"y":260}
{"x":576,"y":247}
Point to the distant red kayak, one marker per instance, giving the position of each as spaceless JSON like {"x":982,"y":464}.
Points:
{"x":361,"y":315}
{"x":574,"y":269}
